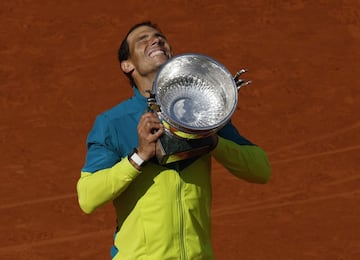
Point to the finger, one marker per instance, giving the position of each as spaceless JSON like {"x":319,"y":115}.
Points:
{"x":149,"y":123}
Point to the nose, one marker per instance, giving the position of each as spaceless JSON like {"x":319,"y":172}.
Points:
{"x":157,"y":40}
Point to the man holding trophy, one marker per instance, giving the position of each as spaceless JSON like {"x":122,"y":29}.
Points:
{"x":156,"y":173}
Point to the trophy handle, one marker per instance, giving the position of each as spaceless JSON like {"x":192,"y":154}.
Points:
{"x":241,"y":82}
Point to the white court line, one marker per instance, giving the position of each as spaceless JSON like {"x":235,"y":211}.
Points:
{"x":317,"y":138}
{"x":37,"y":201}
{"x":226,"y":211}
{"x":303,"y":157}
{"x":58,"y":240}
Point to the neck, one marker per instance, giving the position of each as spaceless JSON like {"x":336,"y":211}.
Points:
{"x":144,"y":84}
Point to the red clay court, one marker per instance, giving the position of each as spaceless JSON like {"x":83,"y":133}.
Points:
{"x":59,"y":70}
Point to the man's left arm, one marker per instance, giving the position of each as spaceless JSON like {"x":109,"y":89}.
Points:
{"x":241,"y":157}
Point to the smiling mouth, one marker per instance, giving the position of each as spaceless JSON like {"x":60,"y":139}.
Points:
{"x":157,"y":53}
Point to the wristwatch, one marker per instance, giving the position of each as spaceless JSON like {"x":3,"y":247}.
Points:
{"x":133,"y":156}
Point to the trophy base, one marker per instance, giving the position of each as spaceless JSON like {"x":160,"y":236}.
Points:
{"x":171,"y":148}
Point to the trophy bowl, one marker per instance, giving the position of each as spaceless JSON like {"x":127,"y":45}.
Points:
{"x":196,"y":94}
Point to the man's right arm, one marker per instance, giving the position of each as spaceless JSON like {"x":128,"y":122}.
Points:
{"x":105,"y":174}
{"x":96,"y":189}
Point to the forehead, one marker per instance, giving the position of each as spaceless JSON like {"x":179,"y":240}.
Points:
{"x":140,"y":31}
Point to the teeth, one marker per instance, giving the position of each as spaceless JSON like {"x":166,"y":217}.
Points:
{"x":158,"y":52}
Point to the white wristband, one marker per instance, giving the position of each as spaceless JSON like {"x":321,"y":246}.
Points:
{"x":136,"y":159}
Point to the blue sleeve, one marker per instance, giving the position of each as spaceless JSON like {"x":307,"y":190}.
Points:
{"x":230,"y":132}
{"x":101,"y":153}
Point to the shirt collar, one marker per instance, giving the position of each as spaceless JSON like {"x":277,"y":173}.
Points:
{"x":138,"y":94}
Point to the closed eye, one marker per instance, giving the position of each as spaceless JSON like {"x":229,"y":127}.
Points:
{"x":143,"y":37}
{"x":146,"y":37}
{"x":160,"y":35}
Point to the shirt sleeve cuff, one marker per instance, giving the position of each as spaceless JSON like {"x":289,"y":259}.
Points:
{"x":126,"y":171}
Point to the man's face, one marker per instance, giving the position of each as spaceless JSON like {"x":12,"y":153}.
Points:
{"x":149,"y":49}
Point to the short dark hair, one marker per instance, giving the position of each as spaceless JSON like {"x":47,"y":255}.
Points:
{"x":124,"y":51}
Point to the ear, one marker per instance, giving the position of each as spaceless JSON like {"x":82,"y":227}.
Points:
{"x":126,"y":66}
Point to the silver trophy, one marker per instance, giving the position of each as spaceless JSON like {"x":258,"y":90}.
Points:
{"x":194,"y":97}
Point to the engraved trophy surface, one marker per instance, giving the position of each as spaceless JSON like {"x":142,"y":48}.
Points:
{"x":194,"y":97}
